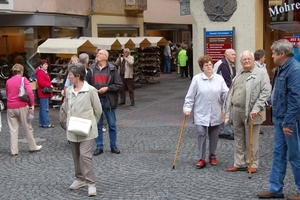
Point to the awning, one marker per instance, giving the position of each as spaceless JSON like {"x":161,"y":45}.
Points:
{"x":156,"y":41}
{"x":138,"y":41}
{"x":126,"y":43}
{"x":104,"y":43}
{"x":66,"y":46}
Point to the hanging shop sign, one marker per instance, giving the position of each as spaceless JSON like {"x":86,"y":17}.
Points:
{"x":216,"y":43}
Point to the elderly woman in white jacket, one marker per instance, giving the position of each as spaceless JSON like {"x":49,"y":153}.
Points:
{"x":83,"y":102}
{"x":206,"y":95}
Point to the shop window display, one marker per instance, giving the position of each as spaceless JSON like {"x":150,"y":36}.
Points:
{"x":281,"y":23}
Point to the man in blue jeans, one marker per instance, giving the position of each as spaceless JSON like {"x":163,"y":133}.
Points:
{"x":167,"y":56}
{"x":285,"y":100}
{"x":108,"y":83}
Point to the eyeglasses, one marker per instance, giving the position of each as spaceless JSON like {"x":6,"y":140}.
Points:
{"x":246,"y":59}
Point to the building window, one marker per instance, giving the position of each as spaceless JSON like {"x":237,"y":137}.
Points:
{"x":66,"y":32}
{"x":4,"y":1}
{"x":117,"y":30}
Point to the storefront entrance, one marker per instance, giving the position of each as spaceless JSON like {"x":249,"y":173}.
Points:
{"x":282,"y":21}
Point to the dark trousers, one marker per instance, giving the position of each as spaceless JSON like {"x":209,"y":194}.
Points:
{"x":184,"y":70}
{"x":191,"y":68}
{"x":127,"y":84}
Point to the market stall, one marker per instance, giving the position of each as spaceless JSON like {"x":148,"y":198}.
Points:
{"x":147,"y":57}
{"x":62,"y":50}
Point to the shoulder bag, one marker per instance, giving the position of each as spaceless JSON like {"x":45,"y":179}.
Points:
{"x":47,"y":90}
{"x":22,"y":92}
{"x":77,"y":125}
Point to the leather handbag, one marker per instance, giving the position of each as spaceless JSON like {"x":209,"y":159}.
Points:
{"x":22,"y":92}
{"x":47,"y":90}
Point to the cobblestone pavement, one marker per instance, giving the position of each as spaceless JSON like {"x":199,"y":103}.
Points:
{"x":147,"y":137}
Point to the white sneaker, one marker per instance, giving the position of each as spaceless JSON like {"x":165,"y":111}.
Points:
{"x":77,"y":184}
{"x":103,"y":129}
{"x":92,"y":191}
{"x":37,"y":148}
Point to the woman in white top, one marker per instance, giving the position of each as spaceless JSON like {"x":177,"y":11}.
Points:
{"x":205,"y":96}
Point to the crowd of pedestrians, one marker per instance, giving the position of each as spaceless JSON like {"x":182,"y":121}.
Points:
{"x":243,"y":95}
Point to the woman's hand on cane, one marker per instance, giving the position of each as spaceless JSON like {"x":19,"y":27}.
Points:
{"x":187,"y":113}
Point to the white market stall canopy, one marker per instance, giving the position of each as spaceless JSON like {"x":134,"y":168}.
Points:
{"x":126,"y":43}
{"x":156,"y":41}
{"x":104,"y":43}
{"x":138,"y":41}
{"x":66,"y":46}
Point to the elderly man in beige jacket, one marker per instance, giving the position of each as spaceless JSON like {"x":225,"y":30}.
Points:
{"x":125,"y":63}
{"x":246,"y":98}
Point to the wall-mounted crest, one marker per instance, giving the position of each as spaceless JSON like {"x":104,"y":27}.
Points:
{"x":219,"y":10}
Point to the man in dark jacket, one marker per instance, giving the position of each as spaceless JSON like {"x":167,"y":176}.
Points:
{"x":108,"y":83}
{"x":225,"y":67}
{"x":190,"y":60}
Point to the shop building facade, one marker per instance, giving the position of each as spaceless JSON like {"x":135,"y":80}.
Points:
{"x":131,"y":18}
{"x":256,"y":24}
{"x":26,"y":24}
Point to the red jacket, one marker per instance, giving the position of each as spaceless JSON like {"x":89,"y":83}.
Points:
{"x":43,"y":80}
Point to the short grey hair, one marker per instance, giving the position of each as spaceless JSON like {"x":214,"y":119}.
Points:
{"x":84,"y":58}
{"x":283,"y":46}
{"x":78,"y":70}
{"x":127,"y":49}
{"x":247,"y":51}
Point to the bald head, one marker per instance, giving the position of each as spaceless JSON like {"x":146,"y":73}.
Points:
{"x":230,"y":55}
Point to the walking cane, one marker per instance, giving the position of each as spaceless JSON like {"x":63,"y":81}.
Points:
{"x":179,"y":141}
{"x":250,"y":145}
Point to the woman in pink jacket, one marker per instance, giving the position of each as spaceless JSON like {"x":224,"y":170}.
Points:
{"x":43,"y":80}
{"x":18,"y":110}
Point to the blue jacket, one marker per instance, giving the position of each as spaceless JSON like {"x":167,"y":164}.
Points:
{"x":285,"y":96}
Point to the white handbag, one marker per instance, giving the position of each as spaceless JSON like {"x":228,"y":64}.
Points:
{"x":79,"y":126}
{"x":22,"y":92}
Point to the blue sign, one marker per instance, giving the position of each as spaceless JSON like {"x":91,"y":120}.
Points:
{"x":219,"y":33}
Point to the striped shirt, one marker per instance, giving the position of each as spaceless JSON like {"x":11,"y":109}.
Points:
{"x":100,"y":78}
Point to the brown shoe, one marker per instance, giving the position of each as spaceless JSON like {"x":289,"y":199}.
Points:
{"x":234,"y":169}
{"x":294,"y":197}
{"x":253,"y":170}
{"x":268,"y":195}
